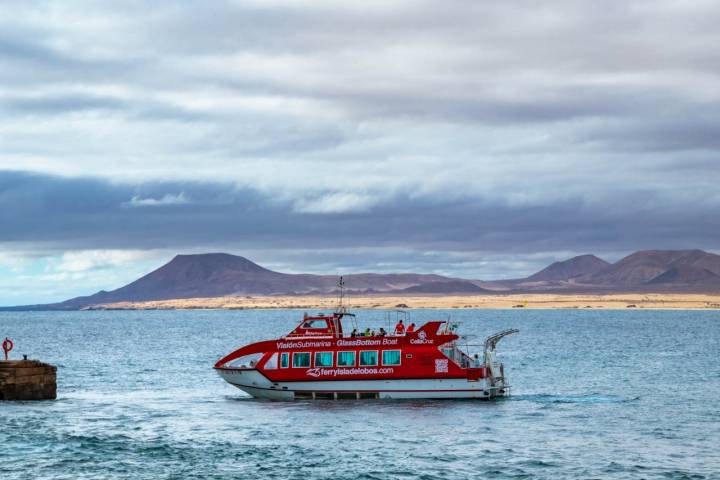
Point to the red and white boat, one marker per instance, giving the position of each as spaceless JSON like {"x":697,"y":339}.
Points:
{"x":318,"y":359}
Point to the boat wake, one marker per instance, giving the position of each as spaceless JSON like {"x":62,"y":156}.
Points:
{"x":589,"y":398}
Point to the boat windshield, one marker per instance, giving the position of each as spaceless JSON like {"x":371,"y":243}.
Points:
{"x":315,"y":323}
{"x":246,"y":361}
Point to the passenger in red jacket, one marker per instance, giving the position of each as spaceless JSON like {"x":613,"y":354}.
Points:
{"x":400,"y":328}
{"x":410,"y":328}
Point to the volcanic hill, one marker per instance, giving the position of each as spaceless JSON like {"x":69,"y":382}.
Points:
{"x":220,"y":274}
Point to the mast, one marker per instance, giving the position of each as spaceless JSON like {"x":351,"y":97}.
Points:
{"x":341,"y":295}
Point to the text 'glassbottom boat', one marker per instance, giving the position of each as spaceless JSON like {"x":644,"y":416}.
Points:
{"x":318,"y":360}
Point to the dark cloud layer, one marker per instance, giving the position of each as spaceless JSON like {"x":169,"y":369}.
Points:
{"x":84,"y":213}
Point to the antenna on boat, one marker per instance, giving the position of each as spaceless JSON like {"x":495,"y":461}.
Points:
{"x":341,"y":294}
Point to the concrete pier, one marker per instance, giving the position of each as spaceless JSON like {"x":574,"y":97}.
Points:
{"x":27,"y":380}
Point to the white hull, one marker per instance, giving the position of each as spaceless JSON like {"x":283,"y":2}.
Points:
{"x":257,"y":385}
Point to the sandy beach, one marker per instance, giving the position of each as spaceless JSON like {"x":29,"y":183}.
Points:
{"x":610,"y":301}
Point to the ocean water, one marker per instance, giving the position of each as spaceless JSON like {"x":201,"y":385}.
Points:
{"x":596,"y":394}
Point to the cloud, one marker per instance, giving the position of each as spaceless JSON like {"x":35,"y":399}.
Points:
{"x":167,"y":199}
{"x":12,"y":261}
{"x":45,"y":276}
{"x":338,"y":202}
{"x":82,"y":261}
{"x":90,"y":214}
{"x":354,"y":94}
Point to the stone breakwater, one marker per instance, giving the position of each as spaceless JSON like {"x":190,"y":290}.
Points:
{"x":27,"y":380}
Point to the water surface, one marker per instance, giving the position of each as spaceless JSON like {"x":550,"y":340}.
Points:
{"x":597,"y":394}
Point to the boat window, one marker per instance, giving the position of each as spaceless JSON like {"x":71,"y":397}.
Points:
{"x":315,"y":324}
{"x":284,"y":360}
{"x":346,"y":359}
{"x":391,"y":357}
{"x":323,"y":359}
{"x":301,"y":360}
{"x":368,"y":357}
{"x":272,"y":362}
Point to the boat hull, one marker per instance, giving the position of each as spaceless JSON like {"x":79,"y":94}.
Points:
{"x":257,"y":385}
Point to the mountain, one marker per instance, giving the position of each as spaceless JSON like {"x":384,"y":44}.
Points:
{"x":458,"y":286}
{"x":686,"y":274}
{"x":572,"y":268}
{"x":643,"y":271}
{"x":680,"y":267}
{"x":221,"y":274}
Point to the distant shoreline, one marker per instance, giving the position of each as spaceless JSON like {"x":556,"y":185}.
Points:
{"x":530,"y":301}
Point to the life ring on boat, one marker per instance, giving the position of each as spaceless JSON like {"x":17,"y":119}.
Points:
{"x":7,"y":346}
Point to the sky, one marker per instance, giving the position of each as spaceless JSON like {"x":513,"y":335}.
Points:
{"x":476,"y":139}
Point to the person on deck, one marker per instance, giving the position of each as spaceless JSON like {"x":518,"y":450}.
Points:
{"x":476,"y":361}
{"x":367,"y":332}
{"x":354,"y":333}
{"x":410,"y":328}
{"x":400,"y":328}
{"x":382,"y":332}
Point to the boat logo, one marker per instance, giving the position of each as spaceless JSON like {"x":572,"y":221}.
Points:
{"x":421,"y":339}
{"x":314,"y":372}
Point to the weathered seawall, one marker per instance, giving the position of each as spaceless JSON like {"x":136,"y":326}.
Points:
{"x":27,"y":380}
